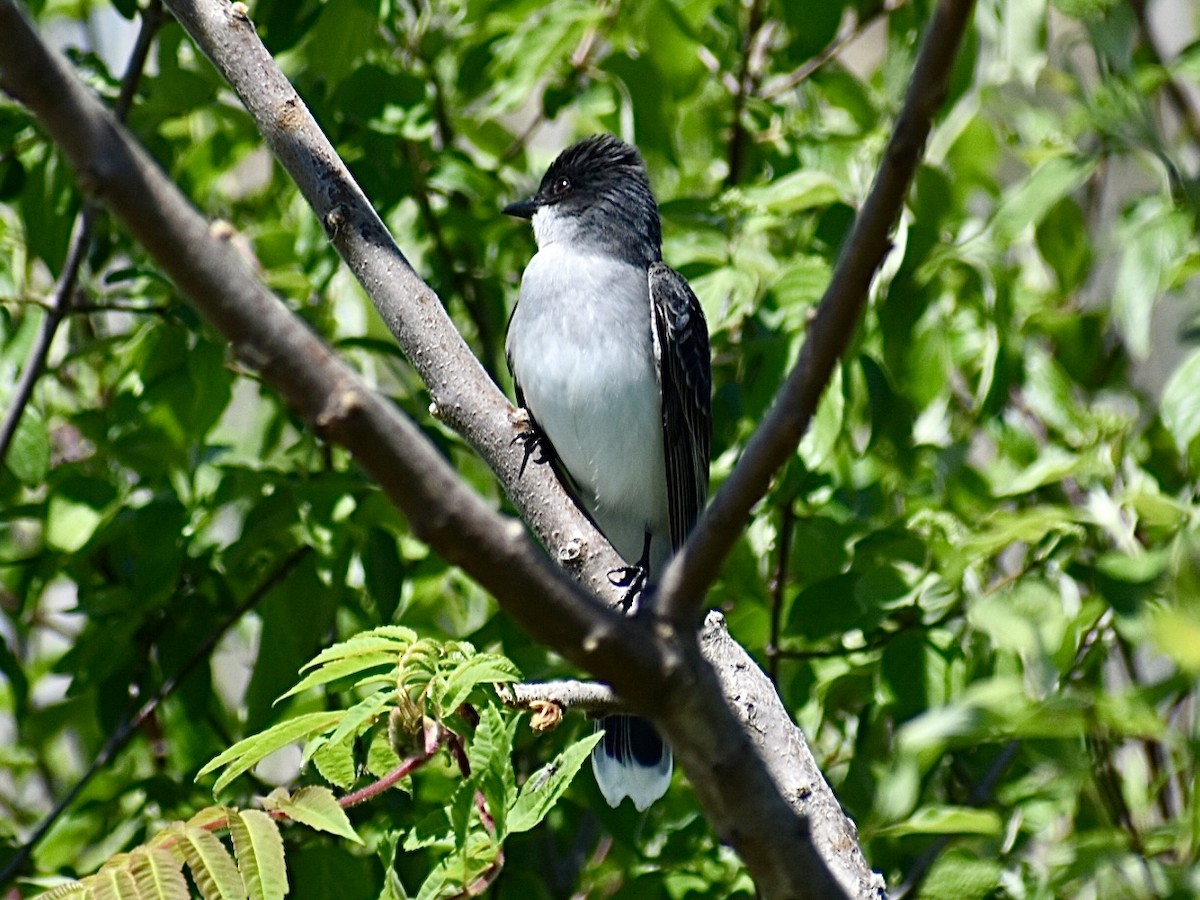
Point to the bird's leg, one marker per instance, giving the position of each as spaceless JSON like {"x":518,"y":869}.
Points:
{"x":533,"y":441}
{"x":634,"y":578}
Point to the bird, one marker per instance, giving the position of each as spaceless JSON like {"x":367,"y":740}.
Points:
{"x":609,"y":352}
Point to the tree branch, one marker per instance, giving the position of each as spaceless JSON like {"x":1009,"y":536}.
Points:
{"x":693,"y":570}
{"x":586,"y":696}
{"x":61,"y":304}
{"x":463,"y":395}
{"x":659,"y":670}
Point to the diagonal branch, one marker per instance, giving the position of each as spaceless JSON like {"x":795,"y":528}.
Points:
{"x":660,"y":672}
{"x":695,"y":567}
{"x":463,"y":395}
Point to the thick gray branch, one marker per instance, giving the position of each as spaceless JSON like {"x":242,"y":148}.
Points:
{"x":463,"y":395}
{"x":658,"y":670}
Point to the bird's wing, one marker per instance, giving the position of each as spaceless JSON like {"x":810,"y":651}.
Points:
{"x":685,"y":375}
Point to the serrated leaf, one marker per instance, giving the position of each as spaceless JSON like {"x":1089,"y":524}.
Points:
{"x":444,"y":827}
{"x":214,"y":872}
{"x":74,"y":890}
{"x":385,"y":639}
{"x":542,"y":790}
{"x":158,"y":874}
{"x":344,"y":668}
{"x":361,"y":715}
{"x":957,"y":876}
{"x":490,"y":756}
{"x":112,"y":882}
{"x":259,"y":848}
{"x":247,"y":753}
{"x":315,"y":807}
{"x":207,"y":817}
{"x":482,"y":668}
{"x":382,"y":759}
{"x":335,"y":762}
{"x":453,"y":874}
{"x":419,"y":666}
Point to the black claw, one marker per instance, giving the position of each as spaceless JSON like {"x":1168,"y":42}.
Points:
{"x":533,"y":442}
{"x":633,"y":578}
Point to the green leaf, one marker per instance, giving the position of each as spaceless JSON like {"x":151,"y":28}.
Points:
{"x":794,"y":192}
{"x":347,"y":668}
{"x":490,"y":756}
{"x":958,"y":876}
{"x":29,"y":453}
{"x":823,"y":432}
{"x":335,"y":761}
{"x":72,"y":890}
{"x":1037,"y":195}
{"x":453,"y":874}
{"x":213,"y":869}
{"x":1062,"y":239}
{"x":1181,"y":402}
{"x":247,"y":753}
{"x":73,"y":514}
{"x":363,"y":715}
{"x":1051,"y":467}
{"x":544,"y":787}
{"x":158,"y":874}
{"x":482,"y":668}
{"x":259,"y":848}
{"x":947,"y":820}
{"x":315,"y":807}
{"x":1150,"y":242}
{"x":385,"y":639}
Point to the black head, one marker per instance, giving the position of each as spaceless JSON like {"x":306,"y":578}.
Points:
{"x":597,"y":194}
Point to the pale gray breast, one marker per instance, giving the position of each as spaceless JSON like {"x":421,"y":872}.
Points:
{"x":580,"y":348}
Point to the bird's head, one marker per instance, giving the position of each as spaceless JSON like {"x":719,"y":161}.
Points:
{"x":596,"y":196}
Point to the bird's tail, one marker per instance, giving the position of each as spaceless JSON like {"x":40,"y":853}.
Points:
{"x":632,"y":761}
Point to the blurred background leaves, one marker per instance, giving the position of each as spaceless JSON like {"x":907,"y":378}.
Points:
{"x":977,"y":583}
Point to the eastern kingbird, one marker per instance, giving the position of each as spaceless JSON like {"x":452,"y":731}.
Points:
{"x":608,"y":349}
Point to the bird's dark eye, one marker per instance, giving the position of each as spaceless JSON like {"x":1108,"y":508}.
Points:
{"x":561,"y":186}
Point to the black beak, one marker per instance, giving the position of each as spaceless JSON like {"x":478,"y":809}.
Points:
{"x":522,"y":209}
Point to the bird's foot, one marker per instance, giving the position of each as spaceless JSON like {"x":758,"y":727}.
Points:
{"x":536,"y":446}
{"x":633,"y":579}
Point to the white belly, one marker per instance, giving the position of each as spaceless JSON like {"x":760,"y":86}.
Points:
{"x":581,"y":351}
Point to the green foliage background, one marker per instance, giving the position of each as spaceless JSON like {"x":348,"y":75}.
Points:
{"x":977,"y":583}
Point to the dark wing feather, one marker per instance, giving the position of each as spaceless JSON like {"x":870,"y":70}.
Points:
{"x":685,"y":375}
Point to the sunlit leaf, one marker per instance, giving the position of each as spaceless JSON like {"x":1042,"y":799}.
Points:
{"x":546,"y":785}
{"x":316,"y":807}
{"x":259,"y":848}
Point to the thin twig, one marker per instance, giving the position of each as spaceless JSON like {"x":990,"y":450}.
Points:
{"x":1185,"y":109}
{"x":39,"y":350}
{"x":787,"y":521}
{"x":434,"y":739}
{"x":746,"y":83}
{"x":777,"y":86}
{"x":81,"y":239}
